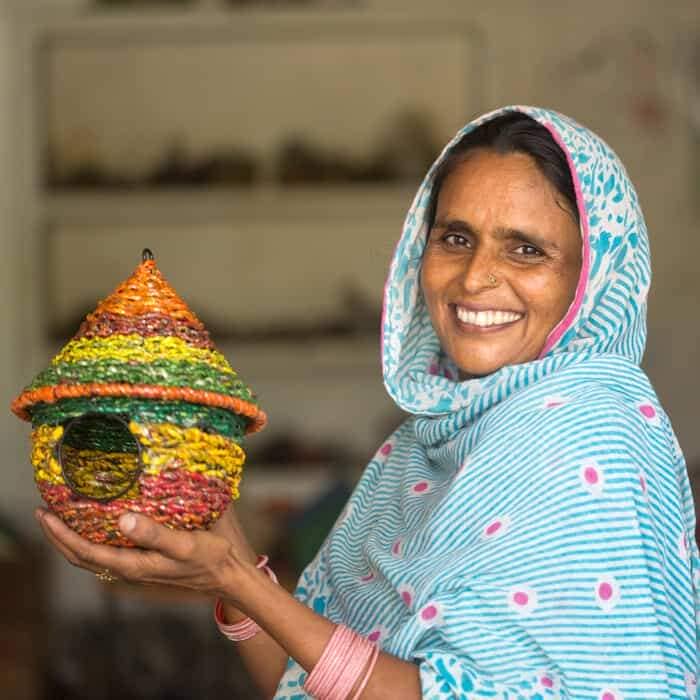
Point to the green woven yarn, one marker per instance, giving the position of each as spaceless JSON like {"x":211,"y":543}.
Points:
{"x":181,"y":413}
{"x":104,"y":435}
{"x":181,"y":373}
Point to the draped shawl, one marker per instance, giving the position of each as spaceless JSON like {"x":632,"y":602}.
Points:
{"x":528,"y":534}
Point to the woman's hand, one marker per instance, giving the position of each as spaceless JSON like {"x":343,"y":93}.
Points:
{"x":204,"y":561}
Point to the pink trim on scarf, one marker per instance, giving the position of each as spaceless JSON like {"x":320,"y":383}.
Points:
{"x":570,"y":315}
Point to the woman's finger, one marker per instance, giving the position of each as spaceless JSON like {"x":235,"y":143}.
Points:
{"x":75,"y":548}
{"x":146,"y":533}
{"x":129,"y":564}
{"x":65,"y":551}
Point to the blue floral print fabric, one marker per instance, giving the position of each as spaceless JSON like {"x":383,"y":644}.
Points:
{"x":528,"y":535}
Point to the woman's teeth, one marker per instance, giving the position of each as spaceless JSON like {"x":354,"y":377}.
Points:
{"x":487,"y":318}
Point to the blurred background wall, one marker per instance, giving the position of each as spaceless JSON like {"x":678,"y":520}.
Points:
{"x":247,"y":143}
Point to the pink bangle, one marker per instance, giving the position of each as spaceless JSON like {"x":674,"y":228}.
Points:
{"x":246,"y":628}
{"x":355,"y":660}
{"x":342,"y":662}
{"x":324,"y":674}
{"x":368,"y":673}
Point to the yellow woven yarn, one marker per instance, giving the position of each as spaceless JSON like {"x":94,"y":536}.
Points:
{"x":43,"y":457}
{"x":136,"y":348}
{"x":165,"y":446}
{"x":168,"y":446}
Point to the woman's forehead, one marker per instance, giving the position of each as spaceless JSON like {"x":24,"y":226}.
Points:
{"x":508,"y":189}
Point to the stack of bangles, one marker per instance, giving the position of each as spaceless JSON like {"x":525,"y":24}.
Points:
{"x":347,"y":661}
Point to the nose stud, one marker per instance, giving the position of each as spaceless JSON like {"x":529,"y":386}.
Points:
{"x":492,"y":279}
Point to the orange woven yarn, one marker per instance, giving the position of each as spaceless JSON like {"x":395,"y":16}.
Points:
{"x":52,"y":394}
{"x":146,"y":292}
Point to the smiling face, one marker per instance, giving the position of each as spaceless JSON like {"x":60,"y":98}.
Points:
{"x":501,"y":263}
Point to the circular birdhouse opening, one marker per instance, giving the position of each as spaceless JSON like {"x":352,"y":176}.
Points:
{"x":99,"y":456}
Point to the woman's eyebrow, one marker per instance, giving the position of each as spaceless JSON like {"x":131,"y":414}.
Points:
{"x":455,"y":224}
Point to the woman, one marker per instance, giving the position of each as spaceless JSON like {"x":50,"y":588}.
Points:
{"x":527,"y":532}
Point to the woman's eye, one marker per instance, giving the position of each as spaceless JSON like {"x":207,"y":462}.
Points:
{"x":455,"y":239}
{"x":527,"y":250}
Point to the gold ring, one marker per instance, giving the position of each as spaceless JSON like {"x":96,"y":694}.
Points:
{"x":105,"y":576}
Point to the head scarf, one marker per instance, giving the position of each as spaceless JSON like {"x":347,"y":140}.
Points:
{"x":528,"y":534}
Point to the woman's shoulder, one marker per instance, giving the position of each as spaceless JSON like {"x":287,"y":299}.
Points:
{"x":586,"y":417}
{"x":606,"y":389}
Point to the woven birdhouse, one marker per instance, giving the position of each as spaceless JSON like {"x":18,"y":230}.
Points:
{"x":138,"y":412}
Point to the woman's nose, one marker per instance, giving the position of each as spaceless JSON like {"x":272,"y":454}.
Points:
{"x":480,"y":271}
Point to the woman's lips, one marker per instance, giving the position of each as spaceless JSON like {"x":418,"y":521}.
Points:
{"x":487,"y":319}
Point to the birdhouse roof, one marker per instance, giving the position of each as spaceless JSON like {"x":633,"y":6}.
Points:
{"x":143,"y":343}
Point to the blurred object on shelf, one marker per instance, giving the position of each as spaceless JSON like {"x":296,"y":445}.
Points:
{"x":404,"y":152}
{"x":228,"y":166}
{"x":177,"y":168}
{"x":302,"y":162}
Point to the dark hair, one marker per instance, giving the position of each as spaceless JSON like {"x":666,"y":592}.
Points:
{"x":513,"y":132}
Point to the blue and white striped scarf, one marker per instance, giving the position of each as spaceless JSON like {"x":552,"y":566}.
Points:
{"x":530,"y":534}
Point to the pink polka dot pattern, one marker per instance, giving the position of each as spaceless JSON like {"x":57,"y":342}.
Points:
{"x":420,"y":487}
{"x":610,"y":694}
{"x":430,"y":615}
{"x":649,"y":412}
{"x":385,"y":449}
{"x":555,"y":401}
{"x":367,"y":578}
{"x":691,"y":685}
{"x":607,"y":592}
{"x":378,"y":634}
{"x":434,"y":369}
{"x":496,"y":528}
{"x":548,"y":681}
{"x":592,"y":477}
{"x":447,"y":374}
{"x":643,"y":484}
{"x":408,"y":595}
{"x":397,"y":548}
{"x":522,"y":599}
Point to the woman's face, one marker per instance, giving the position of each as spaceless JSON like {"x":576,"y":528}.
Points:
{"x":501,"y":263}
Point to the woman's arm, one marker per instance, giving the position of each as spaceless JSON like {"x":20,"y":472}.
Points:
{"x":303,"y":634}
{"x":221,"y":563}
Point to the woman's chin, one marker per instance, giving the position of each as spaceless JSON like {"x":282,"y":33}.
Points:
{"x":472,"y":365}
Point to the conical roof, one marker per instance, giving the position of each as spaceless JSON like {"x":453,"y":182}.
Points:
{"x":143,"y":343}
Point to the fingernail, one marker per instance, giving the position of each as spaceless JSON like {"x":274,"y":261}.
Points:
{"x":127,"y":523}
{"x":39,"y":514}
